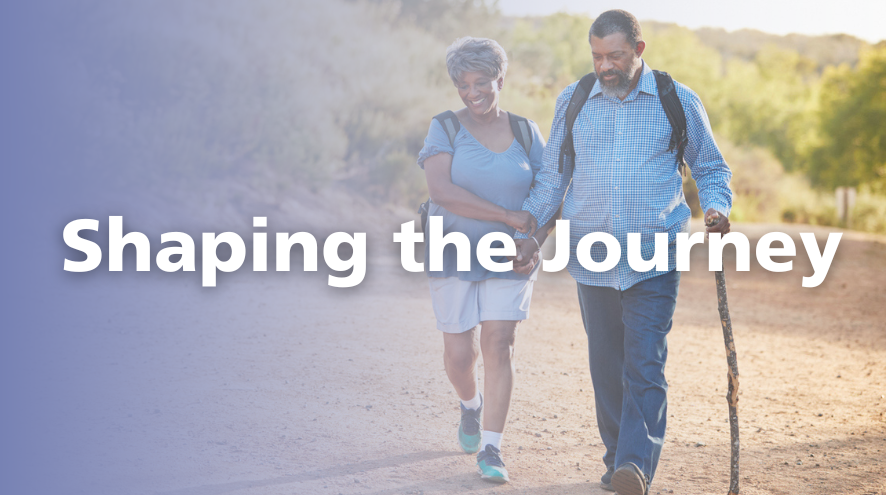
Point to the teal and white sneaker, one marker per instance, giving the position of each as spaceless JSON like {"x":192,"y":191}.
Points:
{"x":490,"y":466}
{"x":469,"y":428}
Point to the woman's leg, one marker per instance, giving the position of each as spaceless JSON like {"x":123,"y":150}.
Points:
{"x":458,"y":317}
{"x":503,"y":304}
{"x":497,"y":344}
{"x":460,"y":359}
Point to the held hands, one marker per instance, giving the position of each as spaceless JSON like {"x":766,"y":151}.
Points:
{"x":716,"y":222}
{"x":527,"y":256}
{"x":527,"y":249}
{"x":525,"y":267}
{"x":523,"y":221}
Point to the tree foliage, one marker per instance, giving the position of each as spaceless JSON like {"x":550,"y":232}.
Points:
{"x":789,"y":111}
{"x":344,"y":90}
{"x":744,"y":44}
{"x":278,"y":91}
{"x":447,"y":19}
{"x":852,"y":134}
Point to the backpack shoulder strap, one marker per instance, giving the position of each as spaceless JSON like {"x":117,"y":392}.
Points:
{"x":670,"y":101}
{"x":450,"y":124}
{"x":520,"y":127}
{"x":576,"y":103}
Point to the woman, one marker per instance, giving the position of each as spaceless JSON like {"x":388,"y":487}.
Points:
{"x":477,"y":185}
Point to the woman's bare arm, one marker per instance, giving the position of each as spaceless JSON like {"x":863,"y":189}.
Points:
{"x":458,"y":200}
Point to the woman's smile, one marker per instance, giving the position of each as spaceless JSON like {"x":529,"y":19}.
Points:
{"x":479,"y":92}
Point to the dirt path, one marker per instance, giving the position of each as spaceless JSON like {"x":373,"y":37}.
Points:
{"x":277,"y":384}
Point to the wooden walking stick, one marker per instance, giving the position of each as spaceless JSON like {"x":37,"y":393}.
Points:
{"x":732,"y":362}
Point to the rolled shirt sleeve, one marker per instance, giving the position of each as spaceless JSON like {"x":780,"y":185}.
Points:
{"x":436,"y":142}
{"x":703,"y":157}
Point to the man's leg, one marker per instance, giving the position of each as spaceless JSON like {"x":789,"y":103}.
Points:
{"x":601,"y":313}
{"x":648,"y":309}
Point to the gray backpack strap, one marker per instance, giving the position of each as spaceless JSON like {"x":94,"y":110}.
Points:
{"x":450,"y":124}
{"x":521,"y":130}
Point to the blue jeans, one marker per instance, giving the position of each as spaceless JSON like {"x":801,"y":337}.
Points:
{"x":627,"y":348}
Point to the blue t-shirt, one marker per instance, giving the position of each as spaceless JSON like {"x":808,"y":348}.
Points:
{"x":501,"y":178}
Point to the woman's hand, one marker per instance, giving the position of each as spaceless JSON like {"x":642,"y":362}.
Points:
{"x":525,"y":267}
{"x":521,"y":220}
{"x":527,"y":256}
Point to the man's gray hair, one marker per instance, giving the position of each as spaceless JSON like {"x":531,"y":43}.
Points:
{"x":617,"y":21}
{"x":470,"y":54}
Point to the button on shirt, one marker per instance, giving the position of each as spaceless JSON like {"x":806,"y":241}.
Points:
{"x":624,"y":179}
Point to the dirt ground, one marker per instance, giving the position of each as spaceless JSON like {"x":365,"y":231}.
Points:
{"x":301,"y":388}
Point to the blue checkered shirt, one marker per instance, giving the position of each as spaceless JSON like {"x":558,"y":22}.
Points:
{"x":625,"y":179}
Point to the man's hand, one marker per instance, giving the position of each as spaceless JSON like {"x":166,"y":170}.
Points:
{"x":525,"y":249}
{"x":716,"y":222}
{"x":521,"y":220}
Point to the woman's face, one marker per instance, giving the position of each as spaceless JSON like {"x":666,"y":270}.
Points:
{"x":479,"y":92}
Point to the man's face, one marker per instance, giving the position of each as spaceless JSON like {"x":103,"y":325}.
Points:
{"x":616,"y":63}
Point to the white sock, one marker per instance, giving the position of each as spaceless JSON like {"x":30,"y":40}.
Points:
{"x":491,"y":438}
{"x":473,"y":403}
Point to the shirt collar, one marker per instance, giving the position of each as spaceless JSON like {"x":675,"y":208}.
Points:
{"x":647,"y":81}
{"x":646,"y":84}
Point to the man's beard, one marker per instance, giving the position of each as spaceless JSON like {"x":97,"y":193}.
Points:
{"x":622,"y":84}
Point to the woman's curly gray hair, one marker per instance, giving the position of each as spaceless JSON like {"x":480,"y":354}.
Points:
{"x":470,"y":54}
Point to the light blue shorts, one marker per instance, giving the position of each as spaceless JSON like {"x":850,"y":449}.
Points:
{"x":460,"y":305}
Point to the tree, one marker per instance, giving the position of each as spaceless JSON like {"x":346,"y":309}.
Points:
{"x":852,"y":134}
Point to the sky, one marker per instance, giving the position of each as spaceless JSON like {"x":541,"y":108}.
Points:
{"x":865,"y":19}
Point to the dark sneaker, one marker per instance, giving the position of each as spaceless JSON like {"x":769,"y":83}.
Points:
{"x":490,"y":466}
{"x":606,"y":480}
{"x":469,"y":428}
{"x":629,"y":480}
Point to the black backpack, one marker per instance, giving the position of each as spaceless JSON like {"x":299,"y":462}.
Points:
{"x":450,"y":123}
{"x":667,"y":94}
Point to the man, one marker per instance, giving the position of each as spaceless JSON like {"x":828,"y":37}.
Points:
{"x":625,"y":180}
